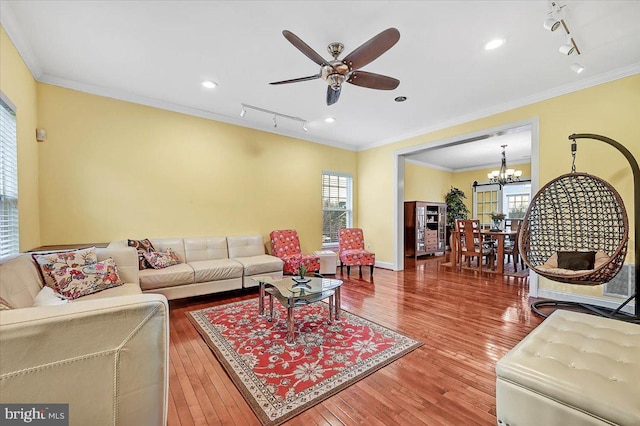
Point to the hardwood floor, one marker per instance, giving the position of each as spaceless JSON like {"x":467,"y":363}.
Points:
{"x":466,"y":322}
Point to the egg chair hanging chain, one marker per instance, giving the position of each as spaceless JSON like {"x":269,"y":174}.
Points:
{"x":574,"y":148}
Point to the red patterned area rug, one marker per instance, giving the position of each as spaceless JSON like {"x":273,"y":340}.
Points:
{"x":280,"y":381}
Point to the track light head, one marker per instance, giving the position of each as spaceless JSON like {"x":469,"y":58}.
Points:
{"x":243,"y":112}
{"x":304,"y":127}
{"x":567,"y":49}
{"x":577,"y":68}
{"x":551,"y":24}
{"x":275,"y":122}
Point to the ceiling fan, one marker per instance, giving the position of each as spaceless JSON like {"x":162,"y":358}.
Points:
{"x":337,"y":72}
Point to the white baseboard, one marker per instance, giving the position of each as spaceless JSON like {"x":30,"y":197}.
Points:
{"x":384,"y":265}
{"x":580,"y":298}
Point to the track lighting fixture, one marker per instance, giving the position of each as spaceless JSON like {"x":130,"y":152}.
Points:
{"x":275,"y":115}
{"x":577,"y":68}
{"x":567,"y":49}
{"x":551,"y":24}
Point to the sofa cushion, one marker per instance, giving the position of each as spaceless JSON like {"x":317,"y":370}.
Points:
{"x":75,"y":282}
{"x":197,"y":249}
{"x":51,"y":264}
{"x":175,"y":244}
{"x":162,"y":259}
{"x":260,"y":264}
{"x":142,"y":246}
{"x":123,"y":290}
{"x":215,"y":270}
{"x":245,"y":246}
{"x":168,"y":277}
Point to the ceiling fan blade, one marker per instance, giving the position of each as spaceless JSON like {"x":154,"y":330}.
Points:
{"x":333,"y":95}
{"x":304,"y":47}
{"x":373,"y":48}
{"x":296,"y":80}
{"x":372,"y":80}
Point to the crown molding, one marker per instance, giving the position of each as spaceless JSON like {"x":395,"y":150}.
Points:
{"x":122,"y":95}
{"x":11,"y":27}
{"x":507,"y":106}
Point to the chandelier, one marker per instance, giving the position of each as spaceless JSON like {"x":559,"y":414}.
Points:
{"x":504,"y":175}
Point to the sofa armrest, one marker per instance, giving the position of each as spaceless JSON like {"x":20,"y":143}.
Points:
{"x":107,"y":358}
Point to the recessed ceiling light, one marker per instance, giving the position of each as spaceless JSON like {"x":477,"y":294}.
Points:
{"x":329,"y":120}
{"x":494,"y":44}
{"x":400,"y":99}
{"x":209,"y":84}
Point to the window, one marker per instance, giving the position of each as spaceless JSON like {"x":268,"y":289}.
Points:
{"x":9,"y":242}
{"x":518,"y":205}
{"x":336,"y":206}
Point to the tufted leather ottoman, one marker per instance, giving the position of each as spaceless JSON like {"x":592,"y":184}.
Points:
{"x":573,"y":369}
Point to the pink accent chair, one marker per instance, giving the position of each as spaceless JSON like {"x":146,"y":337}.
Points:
{"x":285,"y":244}
{"x":351,"y":250}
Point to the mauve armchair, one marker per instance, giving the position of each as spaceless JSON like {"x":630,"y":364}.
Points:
{"x":351,"y":250}
{"x":285,"y":244}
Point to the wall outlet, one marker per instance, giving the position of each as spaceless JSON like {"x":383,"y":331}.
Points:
{"x":368,"y":246}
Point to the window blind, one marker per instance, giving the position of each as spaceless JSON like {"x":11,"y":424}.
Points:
{"x":336,"y":205}
{"x":9,"y":237}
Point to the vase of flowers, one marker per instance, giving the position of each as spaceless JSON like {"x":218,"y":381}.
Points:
{"x":496,"y":221}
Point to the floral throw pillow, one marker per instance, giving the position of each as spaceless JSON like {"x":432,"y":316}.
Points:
{"x":81,"y":280}
{"x":143,"y":246}
{"x":51,"y":263}
{"x":160,"y":260}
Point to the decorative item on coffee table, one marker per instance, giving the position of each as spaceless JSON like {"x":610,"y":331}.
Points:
{"x":301,"y":280}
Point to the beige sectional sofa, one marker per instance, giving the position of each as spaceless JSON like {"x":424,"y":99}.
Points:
{"x":210,"y":265}
{"x":105,"y":354}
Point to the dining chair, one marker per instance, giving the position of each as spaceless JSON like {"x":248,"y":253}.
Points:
{"x":471,"y":245}
{"x":511,"y":251}
{"x":351,"y":250}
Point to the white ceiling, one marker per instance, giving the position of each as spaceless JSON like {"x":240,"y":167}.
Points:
{"x":158,"y":52}
{"x":479,"y":153}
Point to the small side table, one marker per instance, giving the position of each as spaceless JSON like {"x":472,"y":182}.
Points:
{"x":328,"y":261}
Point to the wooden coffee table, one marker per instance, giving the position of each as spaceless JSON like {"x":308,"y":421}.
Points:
{"x":292,"y":293}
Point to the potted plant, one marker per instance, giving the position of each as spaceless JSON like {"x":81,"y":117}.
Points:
{"x":456,"y":209}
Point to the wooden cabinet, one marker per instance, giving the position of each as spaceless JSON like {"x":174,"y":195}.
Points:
{"x":424,"y":228}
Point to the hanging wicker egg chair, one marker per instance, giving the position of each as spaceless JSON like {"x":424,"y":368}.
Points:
{"x":575,"y":212}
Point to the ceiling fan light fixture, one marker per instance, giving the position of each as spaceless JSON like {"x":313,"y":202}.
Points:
{"x":208,"y":84}
{"x":494,"y":44}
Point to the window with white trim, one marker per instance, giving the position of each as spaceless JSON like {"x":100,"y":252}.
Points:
{"x":9,"y":240}
{"x":518,"y":205}
{"x":337,"y":200}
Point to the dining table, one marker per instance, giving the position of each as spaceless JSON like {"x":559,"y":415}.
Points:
{"x":499,"y":237}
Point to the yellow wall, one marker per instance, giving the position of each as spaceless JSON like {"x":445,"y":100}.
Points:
{"x":19,"y":86}
{"x":423,"y":183}
{"x":113,"y":170}
{"x":611,"y":109}
{"x":464,"y":180}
